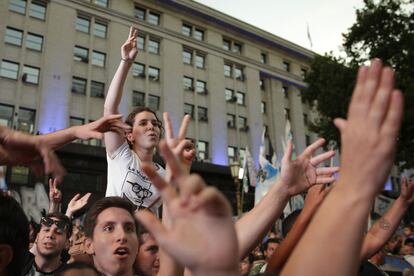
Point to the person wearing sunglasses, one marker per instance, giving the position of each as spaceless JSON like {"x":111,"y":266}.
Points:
{"x":52,"y":239}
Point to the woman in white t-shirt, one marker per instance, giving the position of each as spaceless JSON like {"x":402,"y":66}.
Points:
{"x":125,"y":153}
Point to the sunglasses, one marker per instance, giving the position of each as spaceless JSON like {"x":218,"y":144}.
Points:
{"x":48,"y":222}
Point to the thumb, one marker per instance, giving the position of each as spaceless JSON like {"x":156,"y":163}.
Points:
{"x":153,"y":225}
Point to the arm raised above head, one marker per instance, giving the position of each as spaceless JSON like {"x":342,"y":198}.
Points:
{"x":113,"y":98}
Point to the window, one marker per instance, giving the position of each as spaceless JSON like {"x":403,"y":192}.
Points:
{"x":228,"y":70}
{"x":287,"y":114}
{"x":98,"y":58}
{"x":6,"y":115}
{"x":138,"y":70}
{"x":230,"y":45}
{"x":187,"y":57}
{"x":242,"y":155}
{"x":82,"y":24}
{"x":78,"y":85}
{"x":188,"y":83}
{"x":286,"y":66}
{"x":237,"y":48}
{"x":240,"y":98}
{"x":200,"y":61}
{"x":19,"y":175}
{"x":102,"y":3}
{"x":202,"y":150}
{"x":305,"y":119}
{"x":30,"y":74}
{"x":198,"y":34}
{"x":26,"y":120}
{"x":141,"y":42}
{"x":100,"y":29}
{"x":153,"y":102}
{"x":13,"y":36}
{"x":140,"y":13}
{"x":231,"y":120}
{"x":97,"y":89}
{"x":201,"y":87}
{"x":154,"y":18}
{"x":189,"y":109}
{"x":226,"y":44}
{"x":238,"y":73}
{"x":229,"y":95}
{"x":38,"y":10}
{"x":153,"y":46}
{"x":262,"y":84}
{"x":202,"y":114}
{"x":307,"y":140}
{"x":186,"y":30}
{"x":75,"y":121}
{"x":34,"y":42}
{"x":18,"y":6}
{"x":9,"y":69}
{"x":285,"y":91}
{"x":263,"y":58}
{"x":231,"y":153}
{"x":242,"y":123}
{"x":303,"y":73}
{"x":263,"y":107}
{"x":154,"y":73}
{"x":138,"y":98}
{"x":81,"y":54}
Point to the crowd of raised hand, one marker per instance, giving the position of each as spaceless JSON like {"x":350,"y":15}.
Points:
{"x":124,"y":233}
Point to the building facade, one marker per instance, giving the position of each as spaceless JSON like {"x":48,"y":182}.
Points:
{"x":58,"y":58}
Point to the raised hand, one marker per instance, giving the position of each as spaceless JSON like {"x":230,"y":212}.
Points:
{"x":181,"y":147}
{"x":407,"y":191}
{"x":300,"y":174}
{"x":315,"y":196}
{"x":202,"y":236}
{"x":369,"y":135}
{"x":55,"y":195}
{"x":97,"y":128}
{"x":77,"y":203}
{"x":129,"y":49}
{"x":18,"y":148}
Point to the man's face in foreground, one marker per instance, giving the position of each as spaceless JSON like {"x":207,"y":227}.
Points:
{"x":114,"y":244}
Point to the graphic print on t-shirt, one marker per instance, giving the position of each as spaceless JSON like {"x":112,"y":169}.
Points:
{"x":136,"y":188}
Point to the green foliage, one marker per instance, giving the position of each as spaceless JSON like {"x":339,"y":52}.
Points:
{"x":384,"y":29}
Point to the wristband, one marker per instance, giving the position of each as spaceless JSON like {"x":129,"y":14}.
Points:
{"x":126,"y":60}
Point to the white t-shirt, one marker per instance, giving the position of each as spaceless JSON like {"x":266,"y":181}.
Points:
{"x":127,"y":180}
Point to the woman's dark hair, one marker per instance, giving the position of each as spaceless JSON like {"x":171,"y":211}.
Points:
{"x":130,"y":119}
{"x":14,"y":231}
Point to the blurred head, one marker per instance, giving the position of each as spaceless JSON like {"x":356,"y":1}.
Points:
{"x":147,"y":262}
{"x":146,"y":128}
{"x":78,"y":269}
{"x":407,"y":230}
{"x":246,"y":264}
{"x":270,"y":247}
{"x":111,"y":235}
{"x":53,"y":237}
{"x":14,"y":236}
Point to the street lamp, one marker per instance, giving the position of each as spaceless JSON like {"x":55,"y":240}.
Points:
{"x":234,"y":169}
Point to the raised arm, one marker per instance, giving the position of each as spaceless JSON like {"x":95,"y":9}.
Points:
{"x":314,"y":198}
{"x":385,"y":227}
{"x":128,"y":53}
{"x":77,"y":203}
{"x":368,"y":146}
{"x":94,"y":130}
{"x":55,"y":196}
{"x":17,"y":148}
{"x":296,"y":177}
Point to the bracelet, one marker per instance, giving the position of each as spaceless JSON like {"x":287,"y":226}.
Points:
{"x":127,"y":60}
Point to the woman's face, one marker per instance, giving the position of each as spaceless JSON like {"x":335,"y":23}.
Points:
{"x":145,"y":131}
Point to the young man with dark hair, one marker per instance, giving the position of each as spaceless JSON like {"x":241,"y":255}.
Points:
{"x":52,"y":239}
{"x":111,"y":236}
{"x":14,"y":236}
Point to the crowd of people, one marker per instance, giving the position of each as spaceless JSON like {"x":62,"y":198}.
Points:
{"x":167,"y":221}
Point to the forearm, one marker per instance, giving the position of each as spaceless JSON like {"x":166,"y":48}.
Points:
{"x":113,"y":98}
{"x":346,"y":210}
{"x":285,"y":249}
{"x":59,"y":138}
{"x":383,"y":229}
{"x":53,"y":207}
{"x":253,"y":226}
